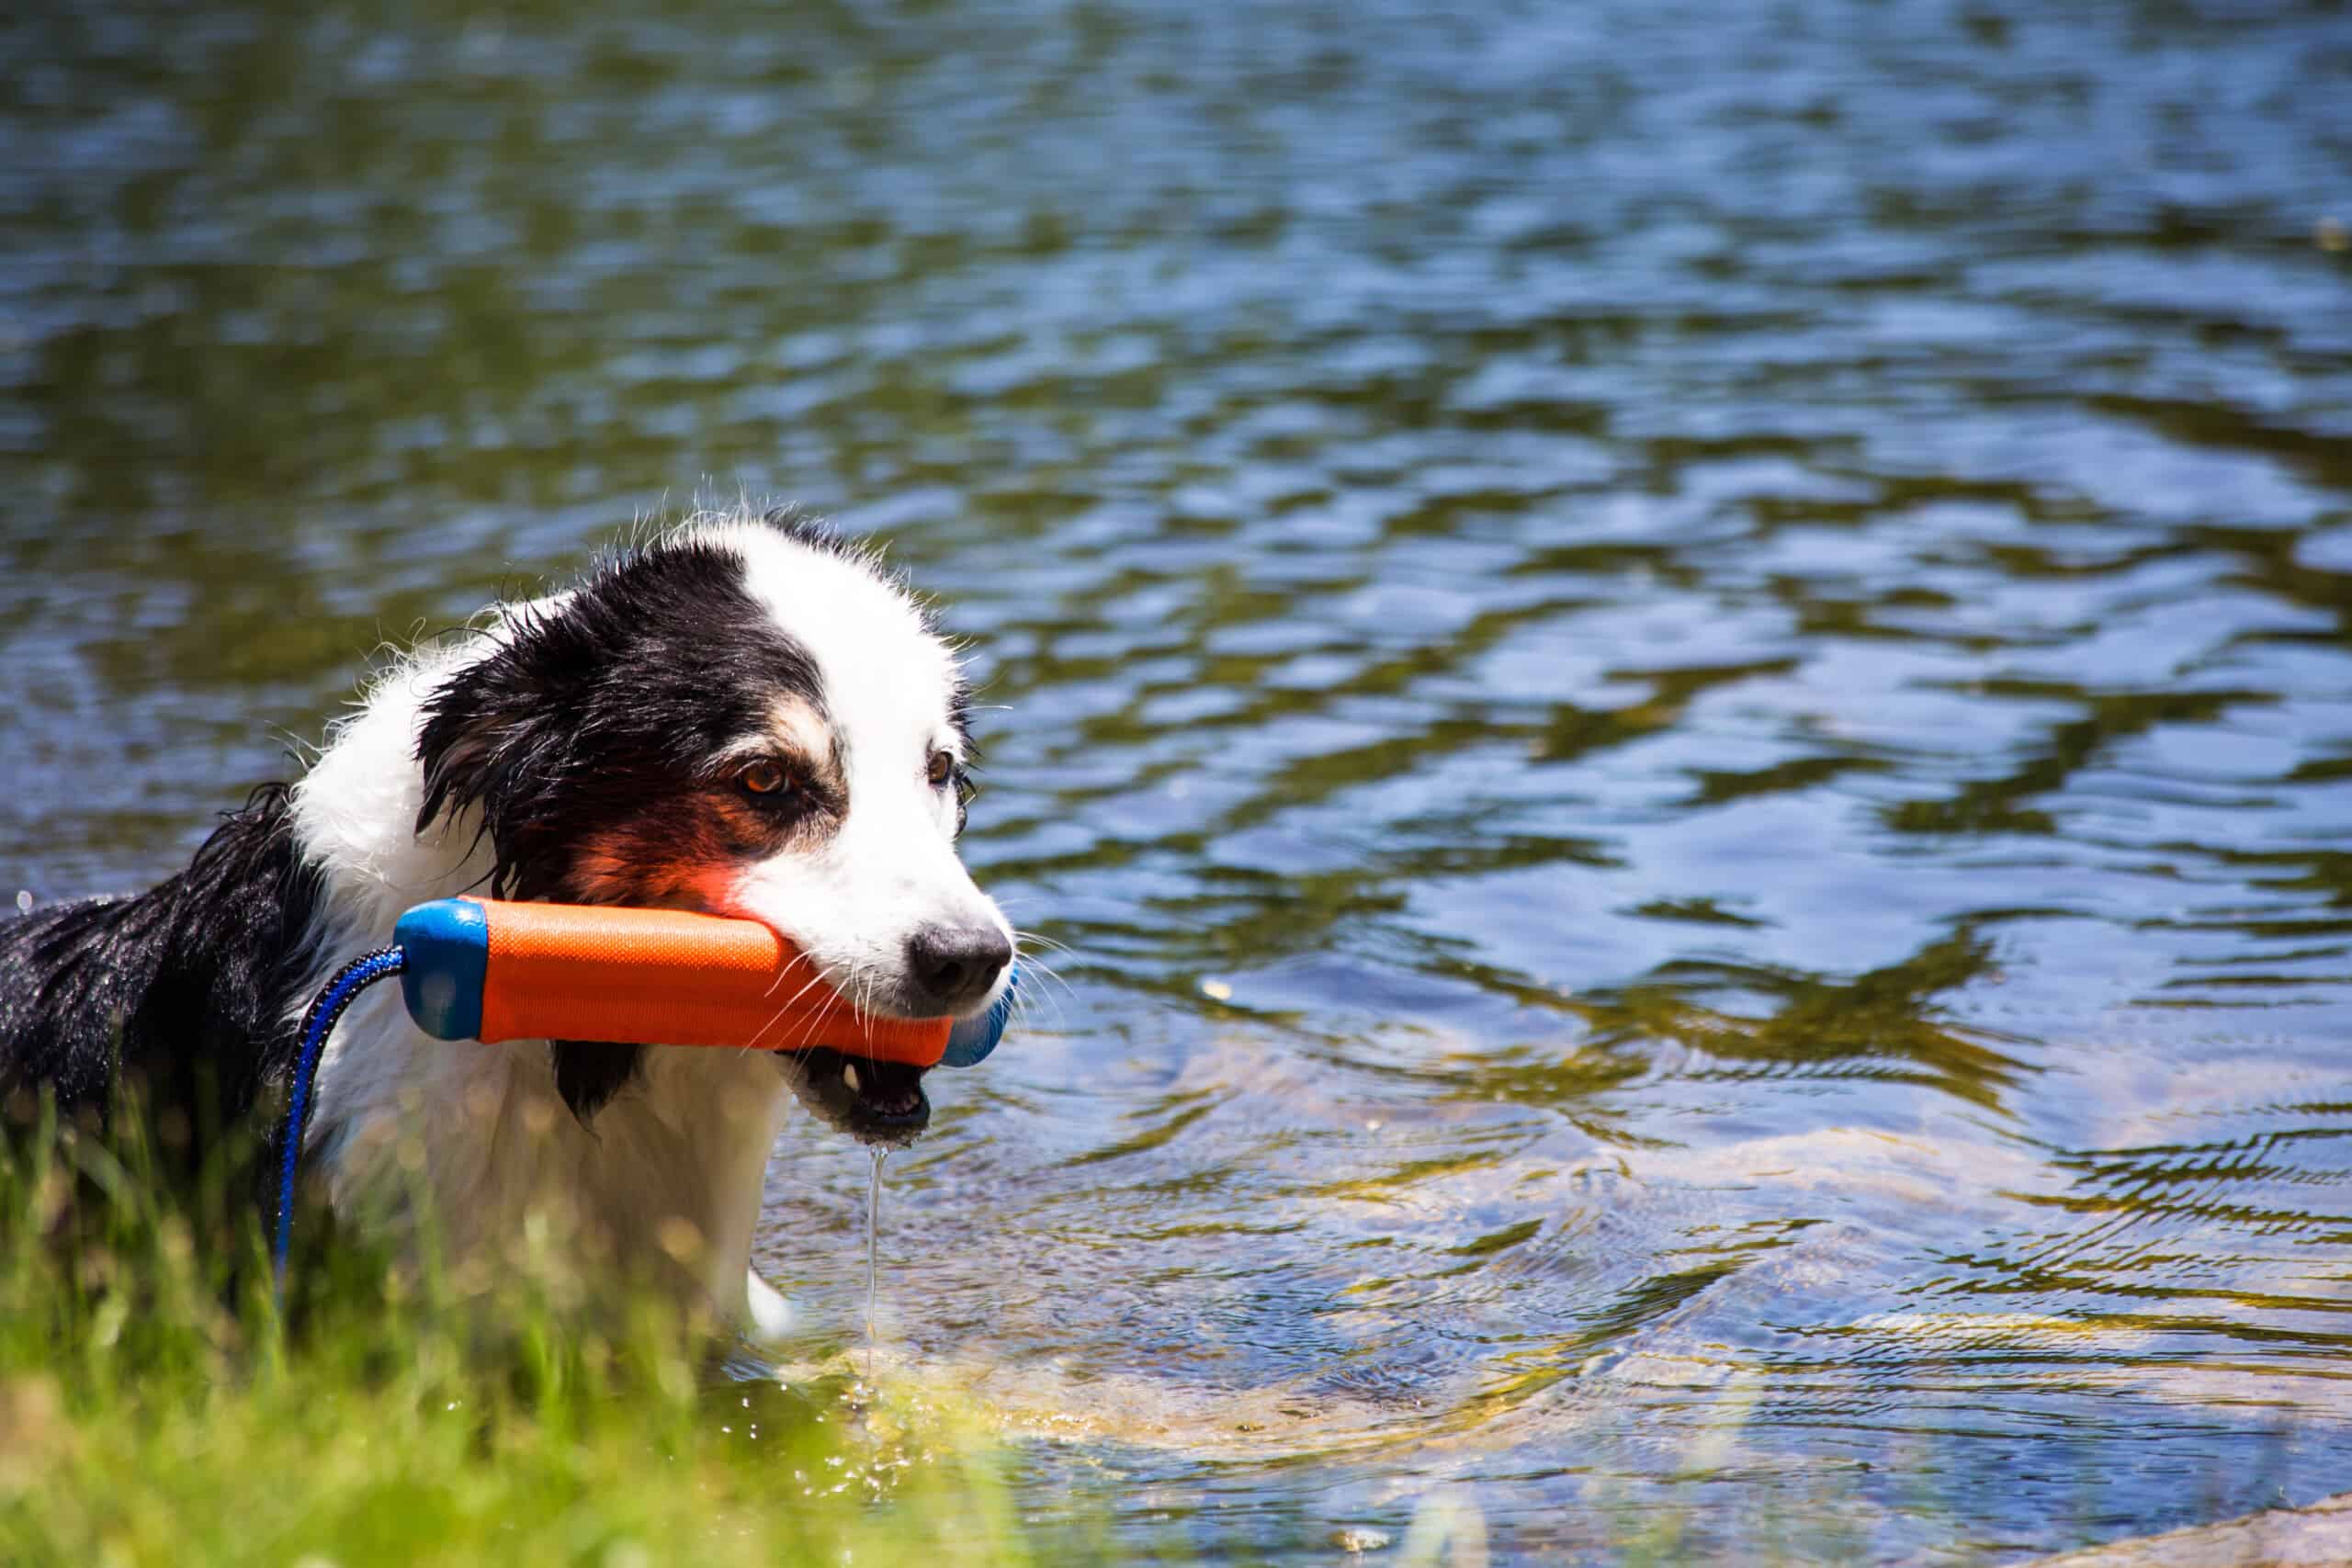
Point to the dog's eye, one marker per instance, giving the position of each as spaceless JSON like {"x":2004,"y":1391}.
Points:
{"x":942,"y":769}
{"x":764,"y":778}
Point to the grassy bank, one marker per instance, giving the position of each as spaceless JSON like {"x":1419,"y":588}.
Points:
{"x":155,"y":1407}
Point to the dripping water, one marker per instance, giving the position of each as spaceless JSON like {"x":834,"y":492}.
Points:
{"x":873,"y":1248}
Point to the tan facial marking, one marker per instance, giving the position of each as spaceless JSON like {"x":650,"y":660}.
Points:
{"x":683,"y":851}
{"x":802,"y":735}
{"x":673,"y":871}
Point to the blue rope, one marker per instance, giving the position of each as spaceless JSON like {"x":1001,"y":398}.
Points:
{"x":317,"y":1024}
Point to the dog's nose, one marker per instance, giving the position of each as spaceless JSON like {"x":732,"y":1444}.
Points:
{"x":956,"y":964}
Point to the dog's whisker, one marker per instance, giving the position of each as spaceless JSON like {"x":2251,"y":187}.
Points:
{"x":816,"y":978}
{"x":1039,"y":940}
{"x":1045,"y":972}
{"x":1030,"y":1012}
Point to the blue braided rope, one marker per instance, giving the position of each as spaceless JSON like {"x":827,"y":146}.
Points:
{"x":318,"y":1022}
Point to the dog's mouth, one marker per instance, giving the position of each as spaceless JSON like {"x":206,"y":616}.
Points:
{"x":874,"y":1103}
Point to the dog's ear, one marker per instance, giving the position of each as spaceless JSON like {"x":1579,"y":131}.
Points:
{"x":641,"y":672}
{"x":497,"y":738}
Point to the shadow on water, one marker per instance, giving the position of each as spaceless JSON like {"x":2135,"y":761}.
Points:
{"x":1676,"y":678}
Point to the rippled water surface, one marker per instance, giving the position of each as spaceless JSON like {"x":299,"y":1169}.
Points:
{"x":1678,"y":676}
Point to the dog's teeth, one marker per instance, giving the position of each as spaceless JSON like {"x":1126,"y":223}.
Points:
{"x":849,"y":1075}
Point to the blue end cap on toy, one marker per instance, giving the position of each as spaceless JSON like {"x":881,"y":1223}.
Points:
{"x":446,"y":944}
{"x":974,"y":1038}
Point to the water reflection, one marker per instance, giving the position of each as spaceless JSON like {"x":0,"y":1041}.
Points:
{"x":1722,"y":636}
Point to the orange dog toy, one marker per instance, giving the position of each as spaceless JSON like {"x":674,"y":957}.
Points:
{"x":476,"y":969}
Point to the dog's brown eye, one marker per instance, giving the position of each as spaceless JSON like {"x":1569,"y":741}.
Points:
{"x":764,"y":778}
{"x":942,"y":769}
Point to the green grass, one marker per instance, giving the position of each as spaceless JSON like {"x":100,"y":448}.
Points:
{"x":155,"y":1408}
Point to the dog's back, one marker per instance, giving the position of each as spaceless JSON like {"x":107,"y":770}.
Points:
{"x":188,"y":990}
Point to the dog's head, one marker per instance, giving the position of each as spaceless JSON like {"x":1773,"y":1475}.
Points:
{"x":744,"y":717}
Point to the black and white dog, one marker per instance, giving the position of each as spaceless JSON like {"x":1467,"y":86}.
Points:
{"x":743,"y":716}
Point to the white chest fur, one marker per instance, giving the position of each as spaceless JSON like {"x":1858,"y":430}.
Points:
{"x":472,"y":1144}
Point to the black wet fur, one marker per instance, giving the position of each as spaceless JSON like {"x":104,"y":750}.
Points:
{"x":190,"y":990}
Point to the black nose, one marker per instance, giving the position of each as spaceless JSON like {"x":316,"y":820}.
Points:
{"x":956,"y":964}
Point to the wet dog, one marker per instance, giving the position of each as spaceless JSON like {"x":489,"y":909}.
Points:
{"x":744,"y":717}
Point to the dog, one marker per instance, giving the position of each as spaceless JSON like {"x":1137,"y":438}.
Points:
{"x":743,"y":716}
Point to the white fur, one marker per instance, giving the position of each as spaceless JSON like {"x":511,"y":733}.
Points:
{"x":892,"y":867}
{"x":473,"y":1141}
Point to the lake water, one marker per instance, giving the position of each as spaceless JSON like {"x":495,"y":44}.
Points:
{"x":1678,"y":676}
